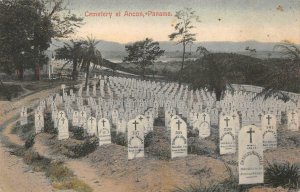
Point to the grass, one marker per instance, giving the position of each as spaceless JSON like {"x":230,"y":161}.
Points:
{"x":285,"y":175}
{"x":230,"y":184}
{"x":63,"y":178}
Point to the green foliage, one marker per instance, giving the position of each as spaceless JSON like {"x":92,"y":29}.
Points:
{"x":285,"y":175}
{"x":78,"y":132}
{"x":149,"y":138}
{"x":63,"y":178}
{"x":26,"y":30}
{"x":49,"y":124}
{"x":143,"y":53}
{"x":29,"y":142}
{"x":81,"y":150}
{"x":119,"y":138}
{"x":183,"y":32}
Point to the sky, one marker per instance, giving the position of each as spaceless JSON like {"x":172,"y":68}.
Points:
{"x":221,"y":20}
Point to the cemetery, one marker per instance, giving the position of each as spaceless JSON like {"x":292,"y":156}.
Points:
{"x":142,"y":133}
{"x":149,"y":96}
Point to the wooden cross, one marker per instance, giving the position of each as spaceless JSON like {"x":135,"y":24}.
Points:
{"x":227,"y":119}
{"x":178,"y":123}
{"x":61,"y":113}
{"x":250,"y":132}
{"x":135,"y":123}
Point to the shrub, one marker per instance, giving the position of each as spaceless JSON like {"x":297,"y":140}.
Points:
{"x":80,"y":150}
{"x":49,"y":124}
{"x":78,"y":132}
{"x":193,"y":133}
{"x":119,"y":138}
{"x":285,"y":175}
{"x":63,"y":178}
{"x":29,"y":142}
{"x":149,"y":138}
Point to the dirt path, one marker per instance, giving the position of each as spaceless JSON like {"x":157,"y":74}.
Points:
{"x":16,"y":177}
{"x":14,"y":173}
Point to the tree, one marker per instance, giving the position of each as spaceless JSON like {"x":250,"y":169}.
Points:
{"x":72,"y":52}
{"x":284,"y":77}
{"x":91,"y":54}
{"x":183,"y":34}
{"x":143,"y":53}
{"x":26,"y":30}
{"x":202,"y":51}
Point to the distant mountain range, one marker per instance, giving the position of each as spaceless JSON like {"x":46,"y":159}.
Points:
{"x":115,"y":50}
{"x":214,"y":46}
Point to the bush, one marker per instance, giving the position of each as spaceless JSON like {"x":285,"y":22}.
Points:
{"x":29,"y":142}
{"x":149,"y":138}
{"x":38,"y":163}
{"x":63,"y":178}
{"x":193,"y":133}
{"x":201,"y":146}
{"x":58,"y":172}
{"x":83,"y":149}
{"x":49,"y":124}
{"x":119,"y":138}
{"x":78,"y":132}
{"x":284,"y":175}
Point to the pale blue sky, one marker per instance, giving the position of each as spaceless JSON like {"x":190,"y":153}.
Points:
{"x":261,"y":20}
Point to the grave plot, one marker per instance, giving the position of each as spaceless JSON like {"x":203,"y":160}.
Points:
{"x":120,"y":115}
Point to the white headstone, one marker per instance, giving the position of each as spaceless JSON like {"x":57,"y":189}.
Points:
{"x":91,"y":126}
{"x":104,"y":133}
{"x":269,"y":131}
{"x":227,"y":135}
{"x":63,"y":128}
{"x":178,"y":138}
{"x":135,"y":139}
{"x":250,"y":143}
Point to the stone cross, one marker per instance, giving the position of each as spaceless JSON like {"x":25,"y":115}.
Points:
{"x":250,"y":134}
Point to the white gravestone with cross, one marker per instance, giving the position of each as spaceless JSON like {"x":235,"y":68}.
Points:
{"x":63,"y":128}
{"x":91,"y":126}
{"x":251,"y":162}
{"x":135,"y":139}
{"x":38,"y":121}
{"x":75,"y":119}
{"x":82,"y":119}
{"x":142,"y":119}
{"x":23,"y":116}
{"x":178,"y":138}
{"x":269,"y":131}
{"x":293,"y":121}
{"x":204,"y":125}
{"x":121,"y":125}
{"x":104,"y":133}
{"x":227,"y":135}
